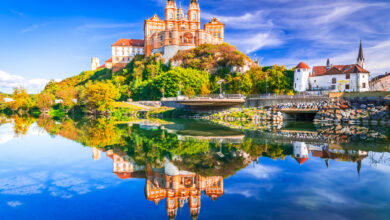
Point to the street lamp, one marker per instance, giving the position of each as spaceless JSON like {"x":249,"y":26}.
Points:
{"x":220,"y":86}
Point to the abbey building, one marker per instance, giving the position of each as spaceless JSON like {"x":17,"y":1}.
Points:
{"x":178,"y":31}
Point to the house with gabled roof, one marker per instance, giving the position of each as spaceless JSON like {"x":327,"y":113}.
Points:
{"x":333,"y":78}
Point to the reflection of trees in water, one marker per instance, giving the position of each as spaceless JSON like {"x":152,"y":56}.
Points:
{"x":152,"y":145}
{"x":375,"y":158}
{"x":22,"y":124}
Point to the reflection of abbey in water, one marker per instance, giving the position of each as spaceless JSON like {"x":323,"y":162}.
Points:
{"x":177,"y":186}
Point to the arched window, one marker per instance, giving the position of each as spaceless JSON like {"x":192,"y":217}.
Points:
{"x":194,"y":17}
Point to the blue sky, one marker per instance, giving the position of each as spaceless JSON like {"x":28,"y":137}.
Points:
{"x":42,"y":40}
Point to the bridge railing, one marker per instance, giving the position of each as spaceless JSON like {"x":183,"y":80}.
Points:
{"x":206,"y":97}
{"x":297,"y":96}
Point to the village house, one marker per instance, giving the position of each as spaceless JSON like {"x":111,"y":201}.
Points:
{"x":123,"y":51}
{"x":333,"y":78}
{"x":380,"y":83}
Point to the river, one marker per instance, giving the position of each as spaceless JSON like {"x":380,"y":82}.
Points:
{"x":186,"y":169}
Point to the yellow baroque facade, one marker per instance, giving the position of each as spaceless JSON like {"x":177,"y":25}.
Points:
{"x":180,"y":31}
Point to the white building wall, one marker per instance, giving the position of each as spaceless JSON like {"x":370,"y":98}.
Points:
{"x":381,"y":85}
{"x":301,"y":80}
{"x":125,"y":54}
{"x":300,"y":150}
{"x":355,"y":82}
{"x":364,"y":82}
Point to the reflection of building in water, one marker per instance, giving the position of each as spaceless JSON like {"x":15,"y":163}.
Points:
{"x":301,"y":153}
{"x":302,"y":150}
{"x":95,"y":153}
{"x":123,"y":166}
{"x":178,"y":187}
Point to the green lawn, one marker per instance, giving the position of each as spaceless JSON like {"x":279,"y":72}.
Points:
{"x":360,"y":94}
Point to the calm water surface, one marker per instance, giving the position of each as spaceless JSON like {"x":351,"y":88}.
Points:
{"x":191,"y":170}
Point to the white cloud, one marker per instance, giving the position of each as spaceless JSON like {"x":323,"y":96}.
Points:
{"x":21,"y":14}
{"x":31,"y":28}
{"x":247,"y":21}
{"x":255,"y":42}
{"x":9,"y":81}
{"x":6,"y":134}
{"x":261,"y":171}
{"x":14,"y":204}
{"x":309,"y":31}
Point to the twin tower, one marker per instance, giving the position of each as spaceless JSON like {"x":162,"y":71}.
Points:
{"x":180,"y":31}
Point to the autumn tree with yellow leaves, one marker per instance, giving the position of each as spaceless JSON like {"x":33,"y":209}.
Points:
{"x":22,"y":100}
{"x":100,"y":96}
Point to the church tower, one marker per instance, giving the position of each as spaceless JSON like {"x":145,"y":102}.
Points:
{"x":170,"y":11}
{"x":360,"y":60}
{"x":328,"y":64}
{"x":94,"y":63}
{"x":194,"y":15}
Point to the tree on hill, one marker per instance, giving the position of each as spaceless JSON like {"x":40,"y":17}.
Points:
{"x":278,"y":80}
{"x":67,"y":95}
{"x":45,"y":101}
{"x":100,"y":96}
{"x":219,"y":58}
{"x":22,"y":100}
{"x":189,"y":79}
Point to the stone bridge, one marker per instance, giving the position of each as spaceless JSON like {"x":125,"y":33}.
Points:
{"x":209,"y":103}
{"x":274,"y":100}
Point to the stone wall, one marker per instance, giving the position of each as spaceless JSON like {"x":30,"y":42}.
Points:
{"x":270,"y":101}
{"x":257,"y":115}
{"x":353,"y":112}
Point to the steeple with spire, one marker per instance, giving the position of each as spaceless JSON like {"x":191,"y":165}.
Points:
{"x":360,"y":60}
{"x":328,"y":64}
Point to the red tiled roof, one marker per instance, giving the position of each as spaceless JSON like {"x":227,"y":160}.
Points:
{"x":301,"y":160}
{"x":110,"y":156}
{"x":129,"y":42}
{"x":333,"y":71}
{"x":338,"y":69}
{"x":317,"y":154}
{"x":214,"y":21}
{"x":123,"y":175}
{"x":102,"y":66}
{"x":302,"y":65}
{"x":109,"y":60}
